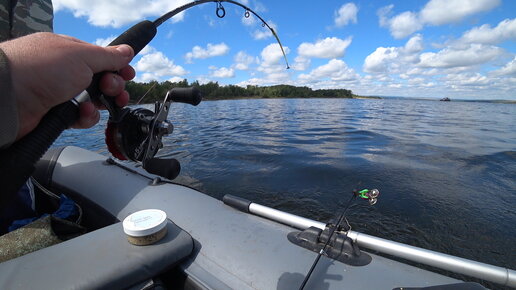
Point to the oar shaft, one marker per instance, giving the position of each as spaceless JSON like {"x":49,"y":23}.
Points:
{"x":500,"y":275}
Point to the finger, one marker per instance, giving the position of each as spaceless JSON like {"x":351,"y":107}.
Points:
{"x":89,"y":116}
{"x":127,"y":73}
{"x":122,"y":99}
{"x":111,"y":58}
{"x":111,"y":84}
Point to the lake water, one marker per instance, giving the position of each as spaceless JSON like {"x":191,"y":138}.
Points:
{"x":446,"y":170}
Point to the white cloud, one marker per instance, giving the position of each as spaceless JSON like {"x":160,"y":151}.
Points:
{"x":509,"y":69}
{"x":330,"y":47}
{"x":300,"y":63}
{"x":272,"y":66}
{"x":505,"y":30}
{"x":452,"y":71}
{"x":223,"y":72}
{"x":451,"y":57}
{"x":116,"y":13}
{"x":394,"y":59}
{"x":347,"y":13}
{"x":211,"y":50}
{"x":175,"y":79}
{"x":265,"y":32}
{"x":383,"y":15}
{"x":435,"y":12}
{"x":156,"y":66}
{"x":276,"y":78}
{"x":243,"y":61}
{"x":335,"y":69}
{"x":271,"y":55}
{"x":396,"y":86}
{"x":414,"y":44}
{"x":378,"y":60}
{"x":438,"y":12}
{"x":250,"y":21}
{"x":401,"y":25}
{"x":104,"y":41}
{"x":147,"y":49}
{"x":416,"y":81}
{"x":404,"y":24}
{"x":465,"y":79}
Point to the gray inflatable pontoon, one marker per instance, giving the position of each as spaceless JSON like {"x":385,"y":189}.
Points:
{"x":209,"y":244}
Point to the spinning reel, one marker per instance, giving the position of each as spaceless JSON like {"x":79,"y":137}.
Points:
{"x":136,"y":134}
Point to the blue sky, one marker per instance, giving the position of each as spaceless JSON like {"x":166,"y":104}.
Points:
{"x":455,"y":48}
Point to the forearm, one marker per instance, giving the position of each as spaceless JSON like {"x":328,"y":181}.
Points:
{"x":8,"y":111}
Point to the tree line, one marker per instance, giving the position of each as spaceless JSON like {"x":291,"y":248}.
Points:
{"x":156,"y":91}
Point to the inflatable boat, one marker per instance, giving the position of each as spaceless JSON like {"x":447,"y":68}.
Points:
{"x":212,"y":244}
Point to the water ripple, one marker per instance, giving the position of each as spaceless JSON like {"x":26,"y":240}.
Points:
{"x":446,"y":170}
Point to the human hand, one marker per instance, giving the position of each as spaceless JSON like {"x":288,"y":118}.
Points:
{"x":110,"y":84}
{"x":48,"y":69}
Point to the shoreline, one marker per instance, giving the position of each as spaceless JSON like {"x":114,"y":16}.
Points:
{"x":262,"y":98}
{"x":258,"y":97}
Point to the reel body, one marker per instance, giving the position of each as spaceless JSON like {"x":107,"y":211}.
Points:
{"x":127,"y":139}
{"x":136,"y":134}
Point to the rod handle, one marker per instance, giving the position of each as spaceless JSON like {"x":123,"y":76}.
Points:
{"x":137,"y":37}
{"x":19,"y":159}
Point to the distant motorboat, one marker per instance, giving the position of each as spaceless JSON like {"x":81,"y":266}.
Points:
{"x":445,"y":99}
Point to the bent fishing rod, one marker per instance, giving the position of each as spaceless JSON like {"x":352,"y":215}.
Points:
{"x":132,"y":134}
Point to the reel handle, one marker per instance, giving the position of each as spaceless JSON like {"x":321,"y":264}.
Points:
{"x":190,"y":95}
{"x":168,"y":168}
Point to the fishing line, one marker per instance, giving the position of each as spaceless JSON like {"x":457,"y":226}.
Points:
{"x":221,"y":12}
{"x":18,"y":161}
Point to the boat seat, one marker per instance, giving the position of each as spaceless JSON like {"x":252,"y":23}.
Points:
{"x":102,"y":259}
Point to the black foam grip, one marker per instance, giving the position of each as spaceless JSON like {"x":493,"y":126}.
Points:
{"x":18,"y":161}
{"x":136,"y":37}
{"x":168,"y":168}
{"x":190,"y":95}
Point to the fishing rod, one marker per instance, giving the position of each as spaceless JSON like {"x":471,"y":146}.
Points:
{"x":371,"y":196}
{"x":131,"y":134}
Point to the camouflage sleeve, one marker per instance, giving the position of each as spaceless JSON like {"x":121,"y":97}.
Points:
{"x":22,"y":17}
{"x":17,"y":18}
{"x":8,"y":111}
{"x":5,"y":24}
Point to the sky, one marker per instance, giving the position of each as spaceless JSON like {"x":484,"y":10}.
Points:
{"x":461,"y":49}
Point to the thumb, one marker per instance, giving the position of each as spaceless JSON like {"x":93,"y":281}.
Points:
{"x":111,"y":58}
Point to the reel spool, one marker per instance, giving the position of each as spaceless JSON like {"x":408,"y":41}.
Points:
{"x":126,"y":139}
{"x":136,"y":134}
